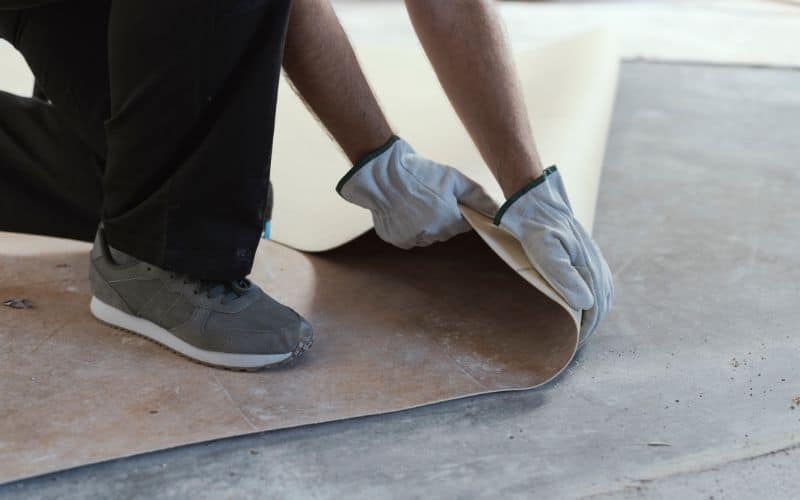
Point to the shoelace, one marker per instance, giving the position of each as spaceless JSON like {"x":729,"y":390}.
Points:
{"x":228,"y":290}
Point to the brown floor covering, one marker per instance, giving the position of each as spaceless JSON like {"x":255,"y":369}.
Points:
{"x":395,"y":329}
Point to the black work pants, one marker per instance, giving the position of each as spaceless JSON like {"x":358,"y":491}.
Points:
{"x":159,"y":122}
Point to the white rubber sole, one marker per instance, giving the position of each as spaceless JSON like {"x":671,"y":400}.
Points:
{"x":152,"y":331}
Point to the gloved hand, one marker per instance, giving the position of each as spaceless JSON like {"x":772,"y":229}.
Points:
{"x":413,"y":200}
{"x":540,"y":217}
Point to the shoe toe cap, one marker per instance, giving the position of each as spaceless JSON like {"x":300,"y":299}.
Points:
{"x":266,"y":327}
{"x":292,"y":337}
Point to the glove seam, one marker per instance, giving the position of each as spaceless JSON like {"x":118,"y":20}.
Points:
{"x":432,"y":191}
{"x":362,"y":162}
{"x":522,"y":192}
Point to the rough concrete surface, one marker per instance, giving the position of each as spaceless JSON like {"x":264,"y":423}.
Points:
{"x":685,"y":392}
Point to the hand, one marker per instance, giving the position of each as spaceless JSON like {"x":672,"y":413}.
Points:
{"x":413,"y":200}
{"x":560,"y":249}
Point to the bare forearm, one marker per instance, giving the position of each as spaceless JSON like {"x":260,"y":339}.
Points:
{"x":323,"y":68}
{"x":466,"y":44}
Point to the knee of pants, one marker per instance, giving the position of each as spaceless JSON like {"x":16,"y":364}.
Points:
{"x":9,"y":21}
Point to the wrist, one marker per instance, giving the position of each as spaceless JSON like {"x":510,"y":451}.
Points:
{"x":513,"y":183}
{"x":524,"y":189}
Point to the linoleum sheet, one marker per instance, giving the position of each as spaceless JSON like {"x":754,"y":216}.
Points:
{"x":395,"y":329}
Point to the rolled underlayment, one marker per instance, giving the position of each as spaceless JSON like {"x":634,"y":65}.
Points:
{"x":395,"y":329}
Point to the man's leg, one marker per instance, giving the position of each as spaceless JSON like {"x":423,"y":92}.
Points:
{"x":51,"y":157}
{"x":194,"y":90}
{"x":188,"y":103}
{"x":193,"y":96}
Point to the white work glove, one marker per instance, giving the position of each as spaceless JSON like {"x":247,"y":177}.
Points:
{"x":413,"y":200}
{"x":540,"y":217}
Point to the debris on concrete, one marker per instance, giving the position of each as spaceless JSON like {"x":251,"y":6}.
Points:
{"x":16,"y":303}
{"x":658,"y":443}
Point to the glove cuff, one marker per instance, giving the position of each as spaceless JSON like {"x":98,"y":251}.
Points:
{"x":519,"y":194}
{"x":363,"y":161}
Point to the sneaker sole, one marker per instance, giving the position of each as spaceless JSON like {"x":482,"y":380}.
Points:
{"x":147,"y":329}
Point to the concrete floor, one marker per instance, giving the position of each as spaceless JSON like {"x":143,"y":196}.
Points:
{"x":685,"y":392}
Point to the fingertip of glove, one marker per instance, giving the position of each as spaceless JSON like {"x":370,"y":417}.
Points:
{"x":580,"y":296}
{"x":583,"y":302}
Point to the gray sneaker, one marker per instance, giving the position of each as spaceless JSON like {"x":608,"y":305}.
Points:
{"x":230,"y":325}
